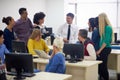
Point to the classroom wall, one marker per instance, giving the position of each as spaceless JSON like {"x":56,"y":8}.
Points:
{"x":54,"y":10}
{"x":11,"y":7}
{"x":55,"y":13}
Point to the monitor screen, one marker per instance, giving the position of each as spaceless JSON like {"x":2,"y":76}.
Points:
{"x":51,"y":34}
{"x":49,"y":29}
{"x":19,"y":46}
{"x":75,"y":51}
{"x":19,"y":64}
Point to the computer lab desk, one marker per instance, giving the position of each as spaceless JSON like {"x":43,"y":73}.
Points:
{"x":84,"y":70}
{"x":114,"y":60}
{"x":46,"y":76}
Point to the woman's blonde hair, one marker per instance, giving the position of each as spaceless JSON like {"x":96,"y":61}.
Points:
{"x":103,"y":21}
{"x":35,"y":33}
{"x":58,"y":42}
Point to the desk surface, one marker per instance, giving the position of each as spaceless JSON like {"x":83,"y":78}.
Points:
{"x":78,"y":64}
{"x":116,"y":45}
{"x":114,"y":51}
{"x":51,"y":76}
{"x":46,"y":76}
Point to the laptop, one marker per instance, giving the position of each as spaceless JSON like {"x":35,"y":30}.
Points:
{"x":42,"y":54}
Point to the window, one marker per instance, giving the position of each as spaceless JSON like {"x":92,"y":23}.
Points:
{"x":85,"y":9}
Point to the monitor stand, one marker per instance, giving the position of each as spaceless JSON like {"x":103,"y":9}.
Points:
{"x":19,"y":78}
{"x":19,"y":74}
{"x":72,"y":61}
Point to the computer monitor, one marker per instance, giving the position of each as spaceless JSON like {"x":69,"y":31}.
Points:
{"x":19,"y":46}
{"x":20,"y":65}
{"x":51,"y":34}
{"x":75,"y":51}
{"x":49,"y":29}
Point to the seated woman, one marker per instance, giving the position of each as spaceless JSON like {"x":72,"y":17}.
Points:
{"x":57,"y":61}
{"x":36,"y":42}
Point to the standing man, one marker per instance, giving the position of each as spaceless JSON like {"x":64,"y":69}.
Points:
{"x":69,"y":31}
{"x":23,"y":26}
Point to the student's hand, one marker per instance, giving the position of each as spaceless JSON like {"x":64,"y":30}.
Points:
{"x":53,"y":53}
{"x":65,"y":40}
{"x":34,"y":25}
{"x":47,"y":52}
{"x":102,"y":47}
{"x":47,"y":32}
{"x":98,"y":52}
{"x":17,"y":39}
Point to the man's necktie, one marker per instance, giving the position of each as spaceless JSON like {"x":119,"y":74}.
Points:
{"x":68,"y":34}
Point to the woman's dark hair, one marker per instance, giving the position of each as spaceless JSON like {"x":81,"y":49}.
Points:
{"x":71,"y":15}
{"x":96,"y":22}
{"x":21,"y":10}
{"x":1,"y":33}
{"x":6,"y":20}
{"x":37,"y":17}
{"x":91,"y":21}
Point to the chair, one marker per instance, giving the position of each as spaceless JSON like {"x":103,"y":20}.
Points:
{"x":36,"y":70}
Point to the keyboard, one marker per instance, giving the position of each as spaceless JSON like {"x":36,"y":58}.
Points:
{"x":35,"y":56}
{"x":28,"y":74}
{"x":67,"y":59}
{"x":77,"y":59}
{"x":23,"y":74}
{"x":114,"y":43}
